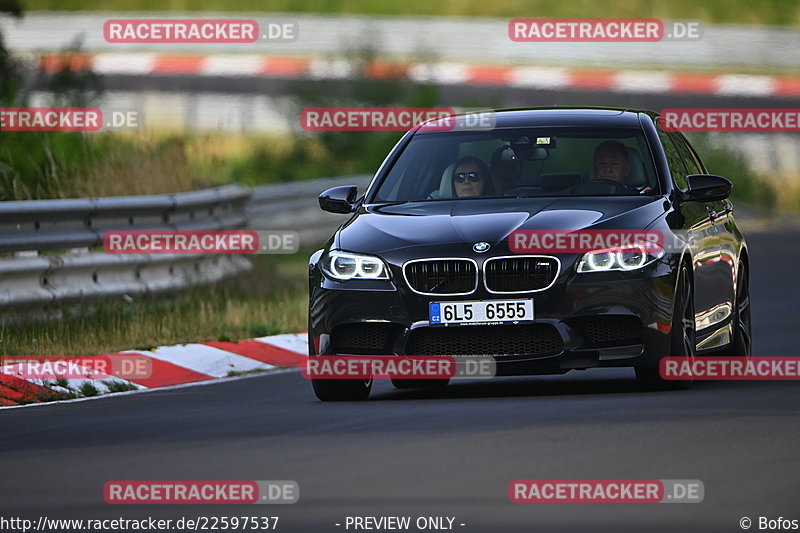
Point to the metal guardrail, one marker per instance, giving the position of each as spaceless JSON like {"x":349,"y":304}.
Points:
{"x":71,"y":228}
{"x":294,"y":207}
{"x":80,"y":223}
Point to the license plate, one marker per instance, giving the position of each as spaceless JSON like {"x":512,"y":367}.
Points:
{"x":481,"y":312}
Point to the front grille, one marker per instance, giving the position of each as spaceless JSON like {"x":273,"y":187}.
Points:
{"x":501,"y":341}
{"x":364,"y":338}
{"x":614,"y":330}
{"x":442,"y":276}
{"x":520,"y":274}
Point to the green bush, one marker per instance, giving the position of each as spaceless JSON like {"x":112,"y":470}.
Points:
{"x":747,"y":184}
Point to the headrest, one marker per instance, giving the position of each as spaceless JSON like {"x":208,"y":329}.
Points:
{"x":446,"y":185}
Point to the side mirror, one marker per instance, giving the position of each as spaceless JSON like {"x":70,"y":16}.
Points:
{"x":707,"y":188}
{"x":339,"y":199}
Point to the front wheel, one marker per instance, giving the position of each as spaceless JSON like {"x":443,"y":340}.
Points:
{"x":338,"y":390}
{"x":682,"y":337}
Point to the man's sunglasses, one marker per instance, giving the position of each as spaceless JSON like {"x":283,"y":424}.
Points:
{"x":473,"y":176}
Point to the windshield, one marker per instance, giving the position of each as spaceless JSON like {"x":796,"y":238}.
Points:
{"x":520,"y":162}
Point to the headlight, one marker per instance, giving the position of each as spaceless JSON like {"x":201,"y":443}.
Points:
{"x":625,"y":259}
{"x":344,"y":266}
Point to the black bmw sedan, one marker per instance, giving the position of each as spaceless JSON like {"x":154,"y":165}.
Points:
{"x":436,"y":257}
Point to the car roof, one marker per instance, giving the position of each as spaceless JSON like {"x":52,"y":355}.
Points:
{"x":566,"y":116}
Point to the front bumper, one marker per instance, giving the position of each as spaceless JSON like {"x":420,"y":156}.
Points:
{"x":609,"y":319}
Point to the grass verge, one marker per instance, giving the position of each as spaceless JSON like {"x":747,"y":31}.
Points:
{"x":269,"y":300}
{"x":37,"y":166}
{"x":783,"y":12}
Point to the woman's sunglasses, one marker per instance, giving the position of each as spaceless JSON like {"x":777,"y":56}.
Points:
{"x":473,"y":176}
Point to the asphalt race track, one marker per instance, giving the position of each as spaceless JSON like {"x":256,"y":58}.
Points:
{"x":451,"y":452}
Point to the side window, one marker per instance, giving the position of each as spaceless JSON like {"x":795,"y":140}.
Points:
{"x":674,"y":159}
{"x":692,"y":154}
{"x":686,"y":154}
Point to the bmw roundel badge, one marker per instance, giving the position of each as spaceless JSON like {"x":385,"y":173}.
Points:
{"x":480,"y":247}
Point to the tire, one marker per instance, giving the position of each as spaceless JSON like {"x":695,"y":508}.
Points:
{"x":682,"y":337}
{"x":742,"y":343}
{"x":341,"y":390}
{"x":419,"y":383}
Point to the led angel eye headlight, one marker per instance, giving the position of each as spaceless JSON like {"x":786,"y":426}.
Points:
{"x":601,"y":260}
{"x":344,"y":266}
{"x":621,"y":259}
{"x":631,"y":259}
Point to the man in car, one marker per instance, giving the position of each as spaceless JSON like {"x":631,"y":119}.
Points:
{"x":506,"y":169}
{"x":611,"y":162}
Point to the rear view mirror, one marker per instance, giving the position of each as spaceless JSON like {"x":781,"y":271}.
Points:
{"x":707,"y":188}
{"x":532,"y":154}
{"x":339,"y":199}
{"x":532,"y":149}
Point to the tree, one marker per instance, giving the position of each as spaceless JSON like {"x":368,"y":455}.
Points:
{"x":10,"y":71}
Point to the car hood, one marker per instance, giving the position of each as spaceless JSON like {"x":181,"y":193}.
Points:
{"x":388,"y":227}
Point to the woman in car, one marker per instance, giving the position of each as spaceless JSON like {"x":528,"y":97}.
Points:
{"x":471,"y":178}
